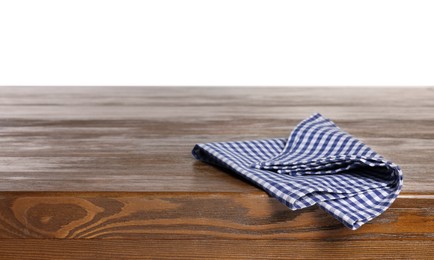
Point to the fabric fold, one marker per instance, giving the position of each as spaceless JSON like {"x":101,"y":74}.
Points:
{"x":318,"y":164}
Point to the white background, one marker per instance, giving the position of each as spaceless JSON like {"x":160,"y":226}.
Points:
{"x":217,"y":43}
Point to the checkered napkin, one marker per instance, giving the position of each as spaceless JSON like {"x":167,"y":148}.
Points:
{"x":318,"y":164}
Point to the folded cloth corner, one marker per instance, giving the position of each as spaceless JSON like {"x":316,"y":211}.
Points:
{"x":318,"y":164}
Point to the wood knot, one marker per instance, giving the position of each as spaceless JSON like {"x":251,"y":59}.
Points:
{"x":54,"y":216}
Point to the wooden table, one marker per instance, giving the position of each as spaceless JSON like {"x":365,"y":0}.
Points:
{"x":108,"y":173}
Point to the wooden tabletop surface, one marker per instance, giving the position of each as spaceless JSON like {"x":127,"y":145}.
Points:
{"x":86,"y":170}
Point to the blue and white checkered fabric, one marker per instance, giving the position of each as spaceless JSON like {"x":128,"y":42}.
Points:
{"x":318,"y":164}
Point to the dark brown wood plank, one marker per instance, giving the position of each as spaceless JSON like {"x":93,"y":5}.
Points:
{"x":209,"y":249}
{"x":197,"y":216}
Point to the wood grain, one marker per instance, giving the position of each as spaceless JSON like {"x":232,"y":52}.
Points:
{"x":112,"y":139}
{"x":212,"y":249}
{"x":88,"y":172}
{"x":197,"y":216}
